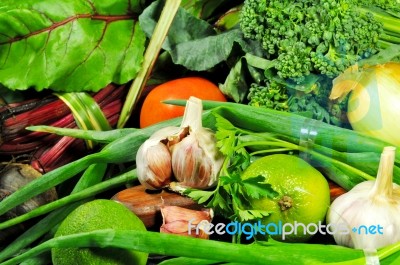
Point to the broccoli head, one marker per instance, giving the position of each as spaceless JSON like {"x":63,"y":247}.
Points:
{"x":318,"y":36}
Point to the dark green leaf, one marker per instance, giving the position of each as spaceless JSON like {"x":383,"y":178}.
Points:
{"x":203,"y":8}
{"x":221,"y":201}
{"x":184,"y":28}
{"x":235,"y":85}
{"x":69,"y":45}
{"x":229,"y":180}
{"x":203,"y":54}
{"x":193,"y":42}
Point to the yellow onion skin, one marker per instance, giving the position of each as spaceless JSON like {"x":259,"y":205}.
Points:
{"x":374,"y":104}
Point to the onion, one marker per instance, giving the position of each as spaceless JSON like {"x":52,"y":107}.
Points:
{"x":374,"y":100}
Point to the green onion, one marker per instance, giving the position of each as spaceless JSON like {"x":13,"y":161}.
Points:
{"x":104,"y":137}
{"x":119,"y":151}
{"x":191,"y":261}
{"x":87,"y":114}
{"x":77,"y":196}
{"x":160,"y":243}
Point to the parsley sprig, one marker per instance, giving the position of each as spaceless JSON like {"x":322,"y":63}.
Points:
{"x":232,"y":197}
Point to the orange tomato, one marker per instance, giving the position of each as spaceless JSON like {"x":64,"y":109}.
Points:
{"x":154,"y":111}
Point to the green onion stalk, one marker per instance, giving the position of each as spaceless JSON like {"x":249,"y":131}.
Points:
{"x":270,"y":252}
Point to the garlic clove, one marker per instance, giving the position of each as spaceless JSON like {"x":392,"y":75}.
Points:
{"x":153,"y":159}
{"x":153,"y":163}
{"x":195,"y":160}
{"x":186,"y":222}
{"x":208,"y":143}
{"x":190,"y":165}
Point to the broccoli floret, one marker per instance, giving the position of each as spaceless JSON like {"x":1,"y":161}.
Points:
{"x":307,"y":105}
{"x":320,"y":36}
{"x":310,"y":99}
{"x":316,"y":104}
{"x":271,"y":96}
{"x":276,"y":96}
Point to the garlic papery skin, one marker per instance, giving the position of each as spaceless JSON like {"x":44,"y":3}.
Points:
{"x":367,"y":216}
{"x":153,"y":159}
{"x":196,"y":160}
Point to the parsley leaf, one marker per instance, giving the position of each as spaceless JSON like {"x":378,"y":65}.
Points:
{"x":257,"y":188}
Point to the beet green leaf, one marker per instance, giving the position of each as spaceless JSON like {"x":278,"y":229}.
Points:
{"x":74,"y":45}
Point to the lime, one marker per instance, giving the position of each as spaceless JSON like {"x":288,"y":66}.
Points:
{"x":303,"y":200}
{"x":94,"y":215}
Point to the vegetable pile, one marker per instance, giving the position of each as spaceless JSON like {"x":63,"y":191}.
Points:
{"x":116,"y":152}
{"x":310,"y":86}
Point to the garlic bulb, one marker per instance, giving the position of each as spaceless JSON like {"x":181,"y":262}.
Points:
{"x":188,"y":153}
{"x":367,"y":217}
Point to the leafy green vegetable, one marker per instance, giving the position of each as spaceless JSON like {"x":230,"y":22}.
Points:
{"x":69,"y":45}
{"x":235,"y":85}
{"x":193,"y":42}
{"x":203,"y":9}
{"x":321,"y":44}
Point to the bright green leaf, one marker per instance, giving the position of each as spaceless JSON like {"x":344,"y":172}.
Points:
{"x":257,"y":188}
{"x":69,"y":45}
{"x":247,"y":215}
{"x":200,"y":196}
